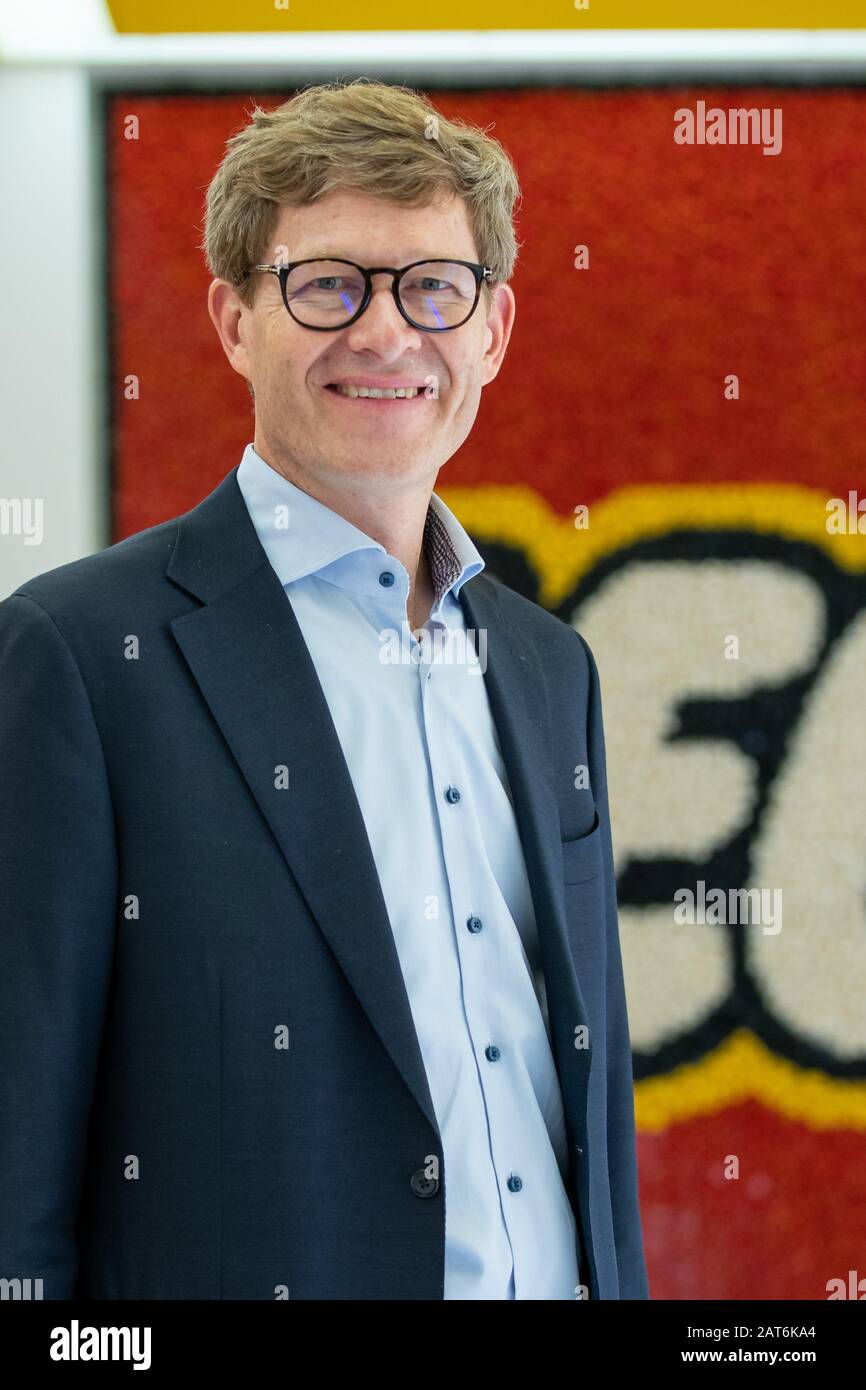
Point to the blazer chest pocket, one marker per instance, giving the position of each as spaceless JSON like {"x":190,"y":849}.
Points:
{"x":581,"y":858}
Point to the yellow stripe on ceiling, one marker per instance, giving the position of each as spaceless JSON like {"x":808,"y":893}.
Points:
{"x":743,"y":1069}
{"x":293,"y":16}
{"x":560,"y":554}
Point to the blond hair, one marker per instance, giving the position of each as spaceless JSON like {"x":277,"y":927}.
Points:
{"x":387,"y":141}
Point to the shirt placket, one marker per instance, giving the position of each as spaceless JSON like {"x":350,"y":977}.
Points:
{"x":482,"y":956}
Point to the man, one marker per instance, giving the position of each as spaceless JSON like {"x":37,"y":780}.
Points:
{"x":311,"y":980}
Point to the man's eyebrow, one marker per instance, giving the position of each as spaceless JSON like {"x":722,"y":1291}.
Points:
{"x":345,"y":256}
{"x":317,"y":255}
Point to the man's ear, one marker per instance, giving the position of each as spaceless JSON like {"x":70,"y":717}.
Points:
{"x":231,"y":319}
{"x":500,"y":321}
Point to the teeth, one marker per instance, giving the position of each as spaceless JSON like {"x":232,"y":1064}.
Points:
{"x":385,"y":394}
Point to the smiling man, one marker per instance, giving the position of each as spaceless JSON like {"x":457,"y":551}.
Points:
{"x":310,"y":980}
{"x":363,"y":386}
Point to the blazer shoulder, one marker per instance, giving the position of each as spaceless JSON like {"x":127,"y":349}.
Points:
{"x":86,"y":586}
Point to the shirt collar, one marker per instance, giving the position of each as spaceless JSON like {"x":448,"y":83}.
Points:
{"x":301,"y":536}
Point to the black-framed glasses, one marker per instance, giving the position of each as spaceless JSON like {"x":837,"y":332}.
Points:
{"x":326,"y":294}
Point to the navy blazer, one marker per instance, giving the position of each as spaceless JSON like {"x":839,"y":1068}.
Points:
{"x":210,"y":1082}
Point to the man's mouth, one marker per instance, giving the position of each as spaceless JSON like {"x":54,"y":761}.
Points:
{"x":376,"y":393}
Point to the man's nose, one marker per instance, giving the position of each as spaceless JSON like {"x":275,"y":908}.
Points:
{"x":382,"y":323}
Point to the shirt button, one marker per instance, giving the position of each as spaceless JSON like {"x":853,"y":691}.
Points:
{"x":452,"y":794}
{"x":423,"y":1186}
{"x":492,"y":1053}
{"x":386,"y":579}
{"x":514,"y":1183}
{"x":474,"y":923}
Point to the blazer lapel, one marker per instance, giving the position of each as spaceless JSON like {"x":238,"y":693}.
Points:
{"x":248,"y":656}
{"x":517,"y":694}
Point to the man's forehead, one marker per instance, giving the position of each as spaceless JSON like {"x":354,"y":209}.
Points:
{"x":359,"y":227}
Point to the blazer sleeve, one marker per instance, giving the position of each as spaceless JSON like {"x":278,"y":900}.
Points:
{"x":621,"y":1144}
{"x":58,"y":883}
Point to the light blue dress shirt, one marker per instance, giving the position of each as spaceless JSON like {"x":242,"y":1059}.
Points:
{"x":422,"y":751}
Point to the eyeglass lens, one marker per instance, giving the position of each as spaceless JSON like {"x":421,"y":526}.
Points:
{"x":435,"y":294}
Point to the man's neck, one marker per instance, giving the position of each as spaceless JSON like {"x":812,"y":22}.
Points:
{"x":421,"y":594}
{"x":397,"y":524}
